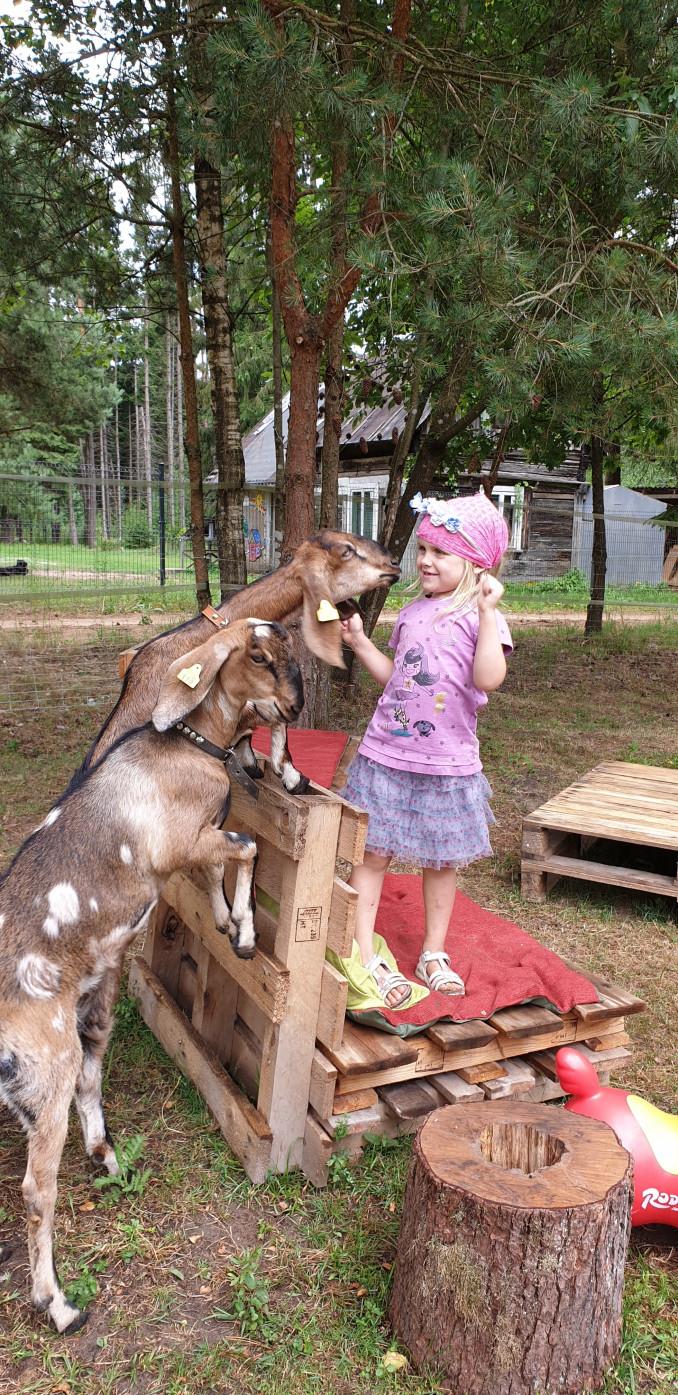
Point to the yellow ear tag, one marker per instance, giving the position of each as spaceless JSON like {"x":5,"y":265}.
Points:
{"x":326,"y":611}
{"x":190,"y":676}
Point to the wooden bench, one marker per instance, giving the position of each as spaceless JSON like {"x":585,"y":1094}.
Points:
{"x":635,"y":806}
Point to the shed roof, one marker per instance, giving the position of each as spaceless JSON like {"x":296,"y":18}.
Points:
{"x":373,"y":426}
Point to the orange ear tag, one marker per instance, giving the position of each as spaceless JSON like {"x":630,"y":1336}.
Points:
{"x":326,"y":611}
{"x":190,"y":676}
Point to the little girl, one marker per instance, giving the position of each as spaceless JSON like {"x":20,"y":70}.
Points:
{"x":417,"y":771}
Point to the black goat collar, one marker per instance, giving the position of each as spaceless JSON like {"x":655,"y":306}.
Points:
{"x":225,"y":754}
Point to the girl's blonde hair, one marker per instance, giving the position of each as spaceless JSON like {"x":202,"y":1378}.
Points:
{"x":465,"y":594}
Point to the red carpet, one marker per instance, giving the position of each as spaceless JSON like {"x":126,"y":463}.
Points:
{"x":500,"y":964}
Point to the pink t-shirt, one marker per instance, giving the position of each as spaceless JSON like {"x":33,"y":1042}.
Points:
{"x":425,"y":719}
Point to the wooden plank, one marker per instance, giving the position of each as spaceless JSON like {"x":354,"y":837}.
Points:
{"x":343,"y":910}
{"x":519,"y":1078}
{"x":611,"y":1058}
{"x":451,"y":1060}
{"x":546,"y":1060}
{"x":619,"y":827}
{"x":243,"y":1127}
{"x":279,"y":816}
{"x":125,"y":658}
{"x":528,"y":1020}
{"x":360,"y":1121}
{"x":651,"y":882}
{"x":323,"y":1082}
{"x":359,"y":1099}
{"x":364,"y":1049}
{"x":264,"y":978}
{"x":316,"y":1152}
{"x":475,"y":1075}
{"x":453,"y":1089}
{"x":411,"y":1100}
{"x":339,"y":777}
{"x":164,"y":945}
{"x":300,"y":943}
{"x":451,"y":1035}
{"x":214,"y":1007}
{"x":332,"y":1008}
{"x":608,"y":1043}
{"x":638,"y":772}
{"x":352,"y":834}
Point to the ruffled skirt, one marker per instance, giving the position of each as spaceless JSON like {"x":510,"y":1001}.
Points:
{"x":428,"y":820}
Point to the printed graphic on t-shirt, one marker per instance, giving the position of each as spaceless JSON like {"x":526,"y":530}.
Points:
{"x":425,"y":720}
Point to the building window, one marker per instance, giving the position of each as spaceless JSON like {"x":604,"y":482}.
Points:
{"x":510,"y":501}
{"x":364,"y":512}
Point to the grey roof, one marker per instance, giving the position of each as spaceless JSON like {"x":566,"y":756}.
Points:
{"x":373,"y":425}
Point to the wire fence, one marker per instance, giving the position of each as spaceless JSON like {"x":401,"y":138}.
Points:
{"x":67,"y":539}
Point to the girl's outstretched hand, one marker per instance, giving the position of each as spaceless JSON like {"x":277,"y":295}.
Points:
{"x":351,"y":629}
{"x":490,"y":594}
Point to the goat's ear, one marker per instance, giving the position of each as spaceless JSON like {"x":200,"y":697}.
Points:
{"x":189,"y":679}
{"x":322,"y":637}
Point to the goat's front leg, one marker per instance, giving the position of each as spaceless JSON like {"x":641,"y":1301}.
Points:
{"x":45,"y":1146}
{"x":212,"y":849}
{"x":281,"y":761}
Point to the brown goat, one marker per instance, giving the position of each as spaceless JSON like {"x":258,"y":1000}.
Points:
{"x":329,"y":566}
{"x":84,"y":883}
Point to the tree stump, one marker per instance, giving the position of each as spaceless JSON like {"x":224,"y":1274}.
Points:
{"x":510,"y":1261}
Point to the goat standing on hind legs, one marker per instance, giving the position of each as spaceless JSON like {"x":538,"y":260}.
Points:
{"x":84,"y":884}
{"x":330,"y":566}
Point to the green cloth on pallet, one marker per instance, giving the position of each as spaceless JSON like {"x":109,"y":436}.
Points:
{"x":362,"y":993}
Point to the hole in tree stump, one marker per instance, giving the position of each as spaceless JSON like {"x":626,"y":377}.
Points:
{"x":520,"y":1147}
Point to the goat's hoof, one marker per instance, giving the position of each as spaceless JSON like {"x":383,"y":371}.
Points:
{"x":255,"y":772}
{"x":103,"y":1159}
{"x":76,"y":1323}
{"x":244,"y":951}
{"x":302,"y":787}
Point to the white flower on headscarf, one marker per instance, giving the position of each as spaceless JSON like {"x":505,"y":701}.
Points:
{"x":440,"y":512}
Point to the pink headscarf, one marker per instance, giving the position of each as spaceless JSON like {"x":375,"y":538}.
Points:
{"x":470,"y":527}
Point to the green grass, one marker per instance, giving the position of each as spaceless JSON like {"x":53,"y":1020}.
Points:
{"x":550,"y":595}
{"x":207,"y":1285}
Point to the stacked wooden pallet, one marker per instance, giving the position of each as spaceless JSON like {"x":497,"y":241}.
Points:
{"x":377,"y":1084}
{"x":266,"y":1041}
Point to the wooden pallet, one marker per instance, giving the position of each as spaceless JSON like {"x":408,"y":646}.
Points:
{"x":245,"y":1030}
{"x":635,"y":806}
{"x":373,"y":1083}
{"x":266,"y":1041}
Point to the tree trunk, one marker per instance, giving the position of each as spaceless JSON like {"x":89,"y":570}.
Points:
{"x":90,"y":493}
{"x":278,"y":436}
{"x":148,"y":465}
{"x":187,"y":357}
{"x":169,"y":418}
{"x":594,"y":612}
{"x":118,"y":481}
{"x":510,"y":1262}
{"x":105,"y":529}
{"x":217,"y":315}
{"x":300,"y":472}
{"x":181,"y":461}
{"x":72,"y":526}
{"x":334,"y":396}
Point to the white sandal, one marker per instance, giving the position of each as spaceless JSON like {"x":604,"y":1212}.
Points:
{"x":437,"y":979}
{"x":388,"y":982}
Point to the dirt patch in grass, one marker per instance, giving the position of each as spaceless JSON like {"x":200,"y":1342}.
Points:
{"x":204,"y":1284}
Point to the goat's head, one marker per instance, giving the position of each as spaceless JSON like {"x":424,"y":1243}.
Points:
{"x":249,"y":661}
{"x":332,"y":567}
